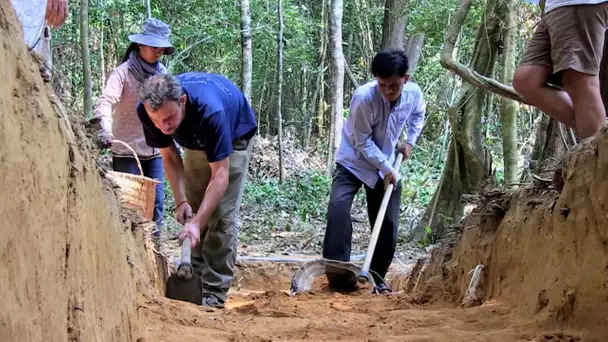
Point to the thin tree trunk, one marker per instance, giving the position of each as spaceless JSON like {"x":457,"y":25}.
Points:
{"x":549,"y":149}
{"x":86,"y":59}
{"x":349,"y":51}
{"x":365,"y":30}
{"x":261,"y":108}
{"x":414,"y":51}
{"x":395,"y":22}
{"x":312,"y":111}
{"x":246,"y":48}
{"x":529,"y":146}
{"x":508,"y":107}
{"x":304,"y":102}
{"x":102,"y":62}
{"x":148,"y":9}
{"x":321,"y":84}
{"x":468,"y":162}
{"x":280,"y":87}
{"x":337,"y":82}
{"x":350,"y":74}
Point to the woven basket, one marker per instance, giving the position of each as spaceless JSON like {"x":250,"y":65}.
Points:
{"x":137,"y":192}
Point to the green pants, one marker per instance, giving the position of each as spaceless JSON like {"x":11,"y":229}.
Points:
{"x":214,"y":257}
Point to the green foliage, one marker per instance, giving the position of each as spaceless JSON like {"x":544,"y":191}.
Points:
{"x":429,"y":238}
{"x":206,"y":35}
{"x":304,"y":195}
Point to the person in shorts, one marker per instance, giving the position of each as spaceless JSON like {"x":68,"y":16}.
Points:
{"x":559,"y":71}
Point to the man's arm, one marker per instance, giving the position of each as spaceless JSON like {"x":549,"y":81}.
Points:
{"x":217,"y":139}
{"x":362,"y":114}
{"x":174,"y":169}
{"x":214,"y":193}
{"x":415,"y":122}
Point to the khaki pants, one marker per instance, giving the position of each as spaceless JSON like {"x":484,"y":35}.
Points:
{"x":214,"y":257}
{"x":569,"y":37}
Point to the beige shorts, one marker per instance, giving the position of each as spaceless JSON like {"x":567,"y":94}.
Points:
{"x":569,"y":37}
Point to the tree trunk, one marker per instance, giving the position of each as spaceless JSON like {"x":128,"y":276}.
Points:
{"x":321,"y":80}
{"x":414,"y":50}
{"x":102,"y":62}
{"x":86,"y":59}
{"x":549,"y":149}
{"x":468,"y":163}
{"x":247,"y":69}
{"x":351,"y":76}
{"x":337,"y":83}
{"x":365,"y":30}
{"x":148,"y":9}
{"x":304,"y":103}
{"x":395,"y":22}
{"x":508,"y":107}
{"x":280,"y":88}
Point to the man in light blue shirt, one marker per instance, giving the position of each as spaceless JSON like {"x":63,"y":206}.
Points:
{"x":379,"y":111}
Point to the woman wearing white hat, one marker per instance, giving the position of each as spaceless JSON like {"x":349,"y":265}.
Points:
{"x":116,"y":108}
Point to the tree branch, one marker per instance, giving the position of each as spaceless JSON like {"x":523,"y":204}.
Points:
{"x":350,"y":74}
{"x":462,"y":70}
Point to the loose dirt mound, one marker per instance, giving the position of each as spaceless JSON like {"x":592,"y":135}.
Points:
{"x":66,"y":263}
{"x":548,"y":256}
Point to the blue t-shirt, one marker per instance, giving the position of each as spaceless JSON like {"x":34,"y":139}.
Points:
{"x":217,"y":114}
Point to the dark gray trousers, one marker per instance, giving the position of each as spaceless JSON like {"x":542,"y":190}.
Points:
{"x":338,"y":234}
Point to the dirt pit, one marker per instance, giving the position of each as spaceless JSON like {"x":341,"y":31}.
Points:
{"x":322,"y":315}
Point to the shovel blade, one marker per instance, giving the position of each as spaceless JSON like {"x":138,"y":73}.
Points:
{"x":304,"y":277}
{"x":186,"y":290}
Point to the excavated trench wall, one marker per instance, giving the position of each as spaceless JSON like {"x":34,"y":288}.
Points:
{"x":68,"y":268}
{"x":548,"y":255}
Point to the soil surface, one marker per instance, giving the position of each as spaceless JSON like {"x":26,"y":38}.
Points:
{"x":323,"y":315}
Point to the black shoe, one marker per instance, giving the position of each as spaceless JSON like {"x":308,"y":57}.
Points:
{"x":382,"y":288}
{"x":212,"y":301}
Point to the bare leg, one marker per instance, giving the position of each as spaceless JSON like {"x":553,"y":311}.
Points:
{"x":584,"y":89}
{"x":530,"y":81}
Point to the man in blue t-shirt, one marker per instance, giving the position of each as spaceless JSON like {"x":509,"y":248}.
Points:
{"x":212,"y":120}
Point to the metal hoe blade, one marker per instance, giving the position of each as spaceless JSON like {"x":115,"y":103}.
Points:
{"x":304,"y":277}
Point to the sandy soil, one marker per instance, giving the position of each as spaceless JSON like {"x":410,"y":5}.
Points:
{"x":74,"y":267}
{"x":322,"y":315}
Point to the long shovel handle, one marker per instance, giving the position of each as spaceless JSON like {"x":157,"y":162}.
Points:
{"x":378,"y":224}
{"x":184,"y":269}
{"x":186,"y":251}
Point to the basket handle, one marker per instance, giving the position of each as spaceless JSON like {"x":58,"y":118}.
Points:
{"x":133,"y":152}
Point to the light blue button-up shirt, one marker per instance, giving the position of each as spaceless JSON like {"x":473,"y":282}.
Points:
{"x":372,"y":130}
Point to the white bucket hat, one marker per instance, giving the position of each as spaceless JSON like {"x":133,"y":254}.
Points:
{"x":154,"y":33}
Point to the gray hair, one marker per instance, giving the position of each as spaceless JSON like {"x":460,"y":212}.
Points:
{"x":159,"y":88}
